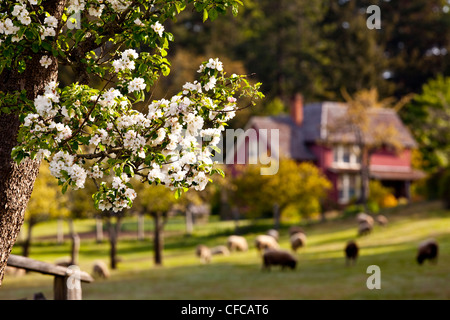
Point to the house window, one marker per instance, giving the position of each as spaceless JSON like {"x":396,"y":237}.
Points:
{"x":348,"y":187}
{"x":346,"y":155}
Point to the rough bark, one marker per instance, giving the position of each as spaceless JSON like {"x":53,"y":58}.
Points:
{"x":160,"y":221}
{"x":113,"y":237}
{"x":16,"y":181}
{"x":276,"y":216}
{"x":157,"y":241}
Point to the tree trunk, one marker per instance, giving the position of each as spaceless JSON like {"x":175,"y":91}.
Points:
{"x":113,"y":237}
{"x":157,"y":239}
{"x":140,"y":220}
{"x":225,"y":208}
{"x":27,"y":242}
{"x":364,"y":186}
{"x":365,"y":178}
{"x":235,"y":211}
{"x":75,"y":250}
{"x":60,"y":232}
{"x":276,"y":216}
{"x":99,"y":229}
{"x":189,"y":222}
{"x":16,"y":181}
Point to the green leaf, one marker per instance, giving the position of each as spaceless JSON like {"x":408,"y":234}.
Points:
{"x":46,"y":46}
{"x":178,"y":193}
{"x":129,"y":170}
{"x":213,"y":14}
{"x":64,"y":187}
{"x":205,"y":15}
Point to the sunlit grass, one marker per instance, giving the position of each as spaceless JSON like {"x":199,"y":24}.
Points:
{"x":321,"y":271}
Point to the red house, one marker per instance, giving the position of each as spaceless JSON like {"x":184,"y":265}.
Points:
{"x":304,"y":136}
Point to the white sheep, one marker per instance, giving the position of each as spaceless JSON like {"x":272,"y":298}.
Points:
{"x":294,"y":229}
{"x":266,"y":242}
{"x":382,"y":220}
{"x":204,"y":253}
{"x":364,"y":228}
{"x":273,"y":233}
{"x":297,"y":240}
{"x":220,"y":250}
{"x":100,"y":270}
{"x":364,"y":217}
{"x":237,"y":243}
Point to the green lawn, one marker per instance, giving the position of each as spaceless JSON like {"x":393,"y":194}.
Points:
{"x":321,"y":272}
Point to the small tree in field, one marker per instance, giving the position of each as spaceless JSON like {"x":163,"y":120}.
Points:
{"x":156,"y":201}
{"x":294,"y":185}
{"x":86,"y":130}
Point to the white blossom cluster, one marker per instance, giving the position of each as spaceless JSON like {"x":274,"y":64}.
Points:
{"x":126,"y":62}
{"x":158,"y":28}
{"x":174,"y":128}
{"x":97,"y":10}
{"x":19,"y":16}
{"x":63,"y":166}
{"x":119,"y":196}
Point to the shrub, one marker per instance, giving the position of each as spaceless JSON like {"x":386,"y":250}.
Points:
{"x":353,"y":210}
{"x":373,"y":206}
{"x":389,"y":201}
{"x":381,"y":195}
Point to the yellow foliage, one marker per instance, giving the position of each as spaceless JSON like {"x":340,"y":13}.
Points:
{"x":296,"y":184}
{"x":389,"y":201}
{"x":47,"y":200}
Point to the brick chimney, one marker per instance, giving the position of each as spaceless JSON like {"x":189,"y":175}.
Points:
{"x":297,"y":109}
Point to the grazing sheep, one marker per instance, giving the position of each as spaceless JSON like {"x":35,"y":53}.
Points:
{"x":266,"y":242}
{"x":351,"y":252}
{"x":237,"y":243}
{"x":364,"y":228}
{"x":381,"y":220}
{"x":220,"y":250}
{"x":298,"y":240}
{"x":364,"y":217}
{"x":203,"y":253}
{"x":428,"y":249}
{"x":273,"y":233}
{"x":278,"y":257}
{"x":100,"y":270}
{"x":294,"y":230}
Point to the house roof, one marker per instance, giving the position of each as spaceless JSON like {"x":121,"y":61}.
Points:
{"x":392,"y":175}
{"x":318,"y":117}
{"x":291,"y":136}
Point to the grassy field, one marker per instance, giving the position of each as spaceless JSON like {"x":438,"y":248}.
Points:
{"x":321,"y":272}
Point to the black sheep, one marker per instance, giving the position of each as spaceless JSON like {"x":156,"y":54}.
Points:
{"x":428,"y":249}
{"x":351,"y":252}
{"x":278,"y":257}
